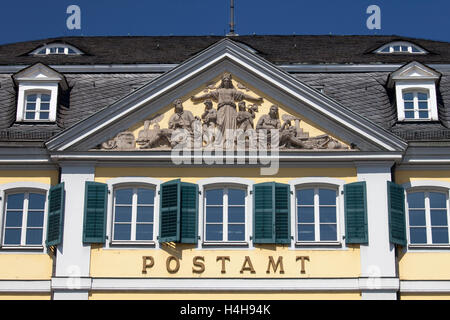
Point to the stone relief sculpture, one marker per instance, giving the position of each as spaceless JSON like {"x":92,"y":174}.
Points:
{"x":212,"y":124}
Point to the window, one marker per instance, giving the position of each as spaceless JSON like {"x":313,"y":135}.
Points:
{"x":317,"y":215}
{"x":416,"y":105}
{"x":57,"y":48}
{"x":134,"y":214}
{"x":225,"y":214}
{"x":400,"y":47}
{"x":24,"y":219}
{"x":428,"y":217}
{"x":37,"y":106}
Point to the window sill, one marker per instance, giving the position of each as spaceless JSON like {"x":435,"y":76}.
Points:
{"x":22,"y":248}
{"x":429,"y":246}
{"x":228,"y":244}
{"x":319,"y":244}
{"x":132,"y":243}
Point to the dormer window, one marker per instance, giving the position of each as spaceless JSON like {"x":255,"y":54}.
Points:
{"x":401,"y":47}
{"x":56,"y":48}
{"x":415,"y":90}
{"x":37,"y":98}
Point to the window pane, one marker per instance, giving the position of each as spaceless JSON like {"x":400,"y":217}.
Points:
{"x":417,"y":217}
{"x":408,"y":96}
{"x":71,"y":51}
{"x":214,"y":214}
{"x":327,"y":197}
{"x":305,"y":197}
{"x":236,"y":197}
{"x":35,"y":219}
{"x":306,"y":232}
{"x":145,"y":196}
{"x":144,"y":232}
{"x":124,"y":196}
{"x":416,"y":200}
{"x":438,"y":200}
{"x":423,"y":105}
{"x":328,"y":232}
{"x":123,"y":214}
{"x":422,"y":96}
{"x":214,"y":197}
{"x":418,"y":235}
{"x":409,"y":115}
{"x":29,"y":116}
{"x":31,"y":98}
{"x":15,"y":201}
{"x":13,"y":218}
{"x":387,"y":49}
{"x":122,"y":231}
{"x":405,"y":48}
{"x":34,"y":236}
{"x":327,"y":214}
{"x":12,"y":236}
{"x":31,"y":106}
{"x":36,"y":201}
{"x":423,"y":115}
{"x":236,"y":214}
{"x":45,"y":107}
{"x":44,"y":115}
{"x":409,"y":105}
{"x":439,"y":235}
{"x":144,"y":214}
{"x":236,"y":232}
{"x":438,"y":217}
{"x":396,"y":48}
{"x":306,"y":214}
{"x":214,"y":232}
{"x":45,"y":98}
{"x":415,"y":49}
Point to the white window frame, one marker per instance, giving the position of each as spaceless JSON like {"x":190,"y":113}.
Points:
{"x":428,"y":87}
{"x":28,"y":88}
{"x":391,"y":46}
{"x":325,"y":183}
{"x":428,"y":227}
{"x":416,"y":109}
{"x":134,"y":206}
{"x":131,"y":182}
{"x":48,"y":48}
{"x":23,"y":187}
{"x":225,"y":205}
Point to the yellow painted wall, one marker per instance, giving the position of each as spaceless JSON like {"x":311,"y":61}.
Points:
{"x":322,"y":264}
{"x":197,"y":109}
{"x":423,"y":265}
{"x":102,"y":174}
{"x":224,"y":296}
{"x":26,"y":266}
{"x":27,"y":296}
{"x":425,"y":296}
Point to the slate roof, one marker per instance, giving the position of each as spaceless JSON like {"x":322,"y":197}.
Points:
{"x":363,"y":93}
{"x":176,"y":49}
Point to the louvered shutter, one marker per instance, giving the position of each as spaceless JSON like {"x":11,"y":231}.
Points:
{"x":263,"y":213}
{"x":356,"y":213}
{"x":397,"y":224}
{"x":282,"y":213}
{"x":170,"y":211}
{"x":189,"y":212}
{"x":95,"y":208}
{"x":55,"y":215}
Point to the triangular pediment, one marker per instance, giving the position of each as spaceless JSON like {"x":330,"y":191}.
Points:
{"x":318,"y":115}
{"x":414,"y":71}
{"x":39,"y":72}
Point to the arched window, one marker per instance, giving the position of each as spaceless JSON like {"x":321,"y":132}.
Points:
{"x":401,"y":47}
{"x":133,"y":218}
{"x":56,"y":48}
{"x":416,"y":104}
{"x":23,"y":221}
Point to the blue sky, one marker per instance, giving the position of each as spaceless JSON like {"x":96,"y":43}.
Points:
{"x":23,"y":20}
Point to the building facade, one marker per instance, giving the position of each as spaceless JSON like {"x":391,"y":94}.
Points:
{"x":118,"y":179}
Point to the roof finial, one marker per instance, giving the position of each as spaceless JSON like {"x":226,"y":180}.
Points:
{"x":231,"y":33}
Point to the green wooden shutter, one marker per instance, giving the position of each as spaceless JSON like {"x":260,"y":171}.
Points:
{"x":263,"y":213}
{"x":396,"y":203}
{"x":189,"y":213}
{"x":282,"y":213}
{"x":356,"y":213}
{"x":170,"y":211}
{"x":55,"y":215}
{"x":95,"y":209}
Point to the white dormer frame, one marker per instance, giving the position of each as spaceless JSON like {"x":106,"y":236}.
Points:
{"x":38,"y":78}
{"x":415,"y":77}
{"x":402,"y":44}
{"x":48,"y":48}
